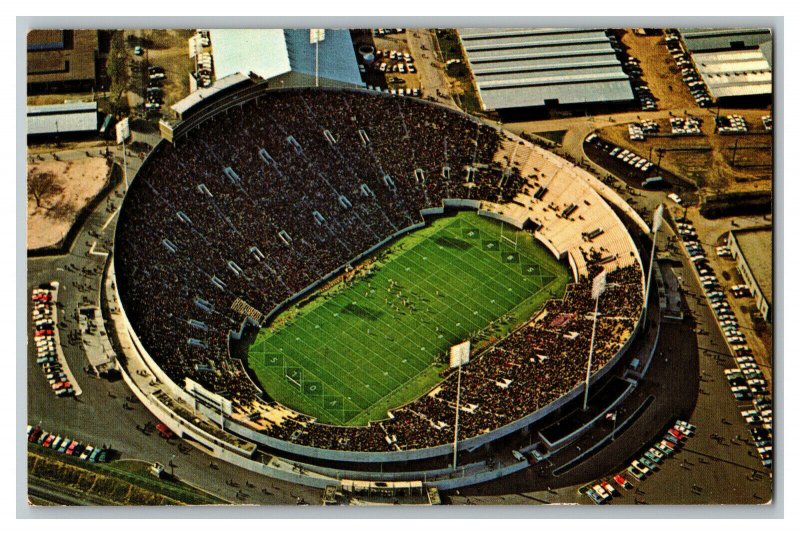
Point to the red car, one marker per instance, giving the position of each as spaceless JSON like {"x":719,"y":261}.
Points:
{"x":71,"y":447}
{"x":164,"y":431}
{"x":49,"y":440}
{"x":677,"y":434}
{"x":622,"y":482}
{"x":35,"y":434}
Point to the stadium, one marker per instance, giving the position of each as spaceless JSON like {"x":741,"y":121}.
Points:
{"x":292,"y":266}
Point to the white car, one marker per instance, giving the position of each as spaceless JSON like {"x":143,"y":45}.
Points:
{"x":673,"y":197}
{"x":601,"y":492}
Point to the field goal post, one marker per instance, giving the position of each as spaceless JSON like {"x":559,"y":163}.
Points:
{"x":506,"y":238}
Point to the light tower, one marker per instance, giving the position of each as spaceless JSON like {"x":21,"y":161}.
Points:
{"x":598,"y":287}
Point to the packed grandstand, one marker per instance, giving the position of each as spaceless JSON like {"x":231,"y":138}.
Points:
{"x":268,"y":197}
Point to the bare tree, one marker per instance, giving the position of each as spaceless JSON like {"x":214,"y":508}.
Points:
{"x":43,"y":184}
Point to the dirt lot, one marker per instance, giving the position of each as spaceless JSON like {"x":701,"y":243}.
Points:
{"x":164,"y":48}
{"x":712,"y":169}
{"x":714,"y":232}
{"x":74,"y":184}
{"x":659,"y":70}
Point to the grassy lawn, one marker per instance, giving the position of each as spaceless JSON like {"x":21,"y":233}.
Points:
{"x":379,"y":340}
{"x":122,"y":482}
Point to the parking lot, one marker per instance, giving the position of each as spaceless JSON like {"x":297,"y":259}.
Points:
{"x":394,"y":68}
{"x":690,"y":146}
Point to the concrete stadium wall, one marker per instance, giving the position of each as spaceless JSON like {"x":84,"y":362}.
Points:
{"x":502,"y":217}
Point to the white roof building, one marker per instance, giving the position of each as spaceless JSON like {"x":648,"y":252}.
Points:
{"x":274,"y":53}
{"x":70,"y":117}
{"x":735,"y":73}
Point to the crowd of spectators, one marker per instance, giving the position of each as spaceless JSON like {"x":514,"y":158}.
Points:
{"x":263,"y":200}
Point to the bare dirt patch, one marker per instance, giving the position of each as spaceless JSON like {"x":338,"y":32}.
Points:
{"x":707,"y":160}
{"x":63,"y":189}
{"x":659,"y":70}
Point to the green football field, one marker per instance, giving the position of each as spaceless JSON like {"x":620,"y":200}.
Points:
{"x":358,"y":349}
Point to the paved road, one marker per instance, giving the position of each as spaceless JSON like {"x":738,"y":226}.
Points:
{"x":422,"y":46}
{"x":690,"y":361}
{"x":99,"y":415}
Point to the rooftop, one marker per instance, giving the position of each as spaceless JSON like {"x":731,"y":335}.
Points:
{"x":64,"y":55}
{"x":274,"y":52}
{"x":62,"y":118}
{"x":222,"y":84}
{"x":708,"y":39}
{"x":756,"y":247}
{"x":734,"y":73}
{"x":519,"y":67}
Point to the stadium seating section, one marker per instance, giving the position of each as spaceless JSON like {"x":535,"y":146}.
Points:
{"x":266,"y":198}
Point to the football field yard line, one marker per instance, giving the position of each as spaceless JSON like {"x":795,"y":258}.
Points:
{"x":328,"y":386}
{"x":390,"y":324}
{"x":466,"y":279}
{"x":317,"y":374}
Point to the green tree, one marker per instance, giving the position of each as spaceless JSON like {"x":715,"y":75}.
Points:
{"x":117,"y":69}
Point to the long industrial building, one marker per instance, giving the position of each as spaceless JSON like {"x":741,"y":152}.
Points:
{"x":527,"y":68}
{"x":62,"y":60}
{"x":62,"y":119}
{"x":718,"y":39}
{"x":752,"y":250}
{"x":734,"y":63}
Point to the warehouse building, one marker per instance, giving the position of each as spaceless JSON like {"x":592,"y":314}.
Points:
{"x":736,"y":73}
{"x":719,"y":39}
{"x":68,"y":119}
{"x":287,"y":58}
{"x":734,"y":63}
{"x":534,"y":68}
{"x":62,"y":60}
{"x":752,"y":251}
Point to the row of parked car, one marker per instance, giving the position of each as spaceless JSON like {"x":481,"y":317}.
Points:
{"x":633,"y":69}
{"x":44,"y":326}
{"x":604,"y":491}
{"x":639,"y":131}
{"x":401,"y":91}
{"x":688,"y":73}
{"x":67,"y":446}
{"x":154,"y":94}
{"x":686,"y":126}
{"x":746,"y":381}
{"x":731,"y":124}
{"x":624,"y":155}
{"x":392,"y":61}
{"x":670,"y":443}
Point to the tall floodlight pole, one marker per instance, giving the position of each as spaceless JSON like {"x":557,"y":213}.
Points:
{"x":658,"y":217}
{"x":125,"y":164}
{"x":123,"y":132}
{"x":459,"y":355}
{"x":598,"y":286}
{"x":316,"y":35}
{"x":458,"y":408}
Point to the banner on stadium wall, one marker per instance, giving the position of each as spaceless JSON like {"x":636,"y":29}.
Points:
{"x":459,"y":354}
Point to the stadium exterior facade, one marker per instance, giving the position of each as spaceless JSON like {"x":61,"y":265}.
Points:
{"x":230,"y":440}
